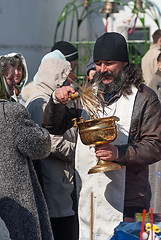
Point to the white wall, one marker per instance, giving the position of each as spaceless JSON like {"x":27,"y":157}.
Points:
{"x":28,"y":26}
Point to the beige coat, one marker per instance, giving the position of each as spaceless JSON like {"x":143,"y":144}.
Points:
{"x":149,"y":63}
{"x":57,"y":169}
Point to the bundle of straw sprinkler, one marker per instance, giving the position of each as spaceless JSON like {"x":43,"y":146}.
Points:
{"x":88,"y":97}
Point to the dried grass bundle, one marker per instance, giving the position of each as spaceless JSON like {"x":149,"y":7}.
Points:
{"x":89,"y":99}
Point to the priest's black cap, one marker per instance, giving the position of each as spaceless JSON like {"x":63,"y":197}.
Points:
{"x":111,"y":46}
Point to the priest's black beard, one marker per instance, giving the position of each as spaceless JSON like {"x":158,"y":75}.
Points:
{"x":112,"y":87}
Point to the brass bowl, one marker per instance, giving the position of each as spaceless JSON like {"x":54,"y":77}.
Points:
{"x":98,"y":131}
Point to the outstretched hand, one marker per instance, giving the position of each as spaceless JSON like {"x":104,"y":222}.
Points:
{"x":62,"y":94}
{"x":106,"y":152}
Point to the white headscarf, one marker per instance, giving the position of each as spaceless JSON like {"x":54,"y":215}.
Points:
{"x":53,"y":54}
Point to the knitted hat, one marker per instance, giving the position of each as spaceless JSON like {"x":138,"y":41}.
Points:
{"x":90,"y":66}
{"x":67,"y":49}
{"x":111,"y":46}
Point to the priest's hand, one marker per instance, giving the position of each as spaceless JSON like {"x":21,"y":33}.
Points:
{"x":62,"y":94}
{"x":106,"y":152}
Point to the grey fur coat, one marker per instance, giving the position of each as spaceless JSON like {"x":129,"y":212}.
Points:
{"x":22,"y":206}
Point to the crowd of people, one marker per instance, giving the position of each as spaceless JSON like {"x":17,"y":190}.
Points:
{"x":46,"y":191}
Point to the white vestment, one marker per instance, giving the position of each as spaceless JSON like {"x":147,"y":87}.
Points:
{"x":108,"y":187}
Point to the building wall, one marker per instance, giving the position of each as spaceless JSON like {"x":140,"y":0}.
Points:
{"x":28,"y":27}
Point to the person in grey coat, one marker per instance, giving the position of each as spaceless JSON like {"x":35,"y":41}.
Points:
{"x":22,"y":205}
